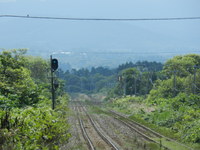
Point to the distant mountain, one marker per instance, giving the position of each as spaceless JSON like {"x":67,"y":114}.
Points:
{"x":85,"y":44}
{"x":94,"y":43}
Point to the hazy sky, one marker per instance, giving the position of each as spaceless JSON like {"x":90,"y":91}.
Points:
{"x":152,"y":35}
{"x":103,"y":8}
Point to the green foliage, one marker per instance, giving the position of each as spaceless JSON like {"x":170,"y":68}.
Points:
{"x":166,"y":89}
{"x":35,"y":128}
{"x":86,"y":81}
{"x":180,"y":72}
{"x":135,"y":82}
{"x":174,"y":97}
{"x":178,"y":108}
{"x":150,"y":66}
{"x":127,"y":104}
{"x":181,"y":114}
{"x":38,"y":67}
{"x":183,"y":65}
{"x":101,"y":79}
{"x":16,"y":83}
{"x":26,"y":118}
{"x":191,"y":131}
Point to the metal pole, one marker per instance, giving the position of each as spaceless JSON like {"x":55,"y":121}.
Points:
{"x":160,"y":144}
{"x":194,"y":81}
{"x":81,"y":85}
{"x":147,"y":89}
{"x":52,"y":87}
{"x":125,"y":87}
{"x":174,"y":83}
{"x":135,"y":85}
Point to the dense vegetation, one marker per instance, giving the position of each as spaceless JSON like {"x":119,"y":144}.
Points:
{"x":26,"y":118}
{"x":164,"y":95}
{"x":168,"y":93}
{"x":172,"y":101}
{"x":101,"y":79}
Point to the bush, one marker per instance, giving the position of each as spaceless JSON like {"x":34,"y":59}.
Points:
{"x":181,"y":114}
{"x":33,"y":128}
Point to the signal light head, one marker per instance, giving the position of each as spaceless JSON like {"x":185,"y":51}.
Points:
{"x":54,"y":64}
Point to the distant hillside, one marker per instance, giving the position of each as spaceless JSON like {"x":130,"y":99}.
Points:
{"x":91,"y":43}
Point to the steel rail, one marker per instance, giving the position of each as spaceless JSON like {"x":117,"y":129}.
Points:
{"x":132,"y":122}
{"x":136,"y":130}
{"x":85,"y":135}
{"x":109,"y":142}
{"x":140,"y":125}
{"x":142,"y":134}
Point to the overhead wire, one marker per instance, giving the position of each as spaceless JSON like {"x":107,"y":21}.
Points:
{"x":129,"y":53}
{"x":104,"y":19}
{"x":99,"y":19}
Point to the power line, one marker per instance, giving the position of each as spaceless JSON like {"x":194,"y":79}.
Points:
{"x":135,"y":53}
{"x":129,"y":53}
{"x":99,"y":19}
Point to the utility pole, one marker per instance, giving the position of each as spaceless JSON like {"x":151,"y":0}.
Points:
{"x":81,"y":84}
{"x":174,"y":84}
{"x":124,"y":86}
{"x":194,"y":79}
{"x":135,"y":82}
{"x":147,"y":88}
{"x":120,"y":82}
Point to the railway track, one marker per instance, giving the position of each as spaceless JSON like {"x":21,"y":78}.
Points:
{"x":147,"y":133}
{"x":85,"y":135}
{"x":79,"y":109}
{"x":142,"y":132}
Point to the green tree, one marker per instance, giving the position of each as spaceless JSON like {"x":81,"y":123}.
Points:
{"x":129,"y":79}
{"x":181,"y":65}
{"x":39,"y":68}
{"x":16,"y":83}
{"x":180,"y":77}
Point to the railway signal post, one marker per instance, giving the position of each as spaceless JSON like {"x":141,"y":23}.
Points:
{"x":54,"y":67}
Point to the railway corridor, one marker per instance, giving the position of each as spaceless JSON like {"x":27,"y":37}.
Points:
{"x":96,"y":130}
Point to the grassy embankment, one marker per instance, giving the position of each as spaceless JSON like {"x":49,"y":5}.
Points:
{"x":163,"y":119}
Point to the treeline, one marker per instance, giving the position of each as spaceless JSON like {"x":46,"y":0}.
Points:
{"x":173,"y":94}
{"x":26,"y":118}
{"x":101,"y":79}
{"x":177,"y":97}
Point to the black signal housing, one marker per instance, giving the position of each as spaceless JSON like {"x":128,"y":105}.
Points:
{"x":54,"y":64}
